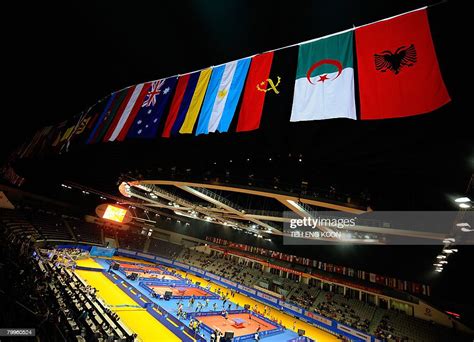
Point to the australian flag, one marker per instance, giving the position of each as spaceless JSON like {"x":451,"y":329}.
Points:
{"x":152,"y":109}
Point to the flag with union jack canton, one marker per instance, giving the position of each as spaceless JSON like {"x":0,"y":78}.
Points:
{"x":152,"y":109}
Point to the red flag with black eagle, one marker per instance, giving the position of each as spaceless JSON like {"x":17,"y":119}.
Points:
{"x":398,"y":70}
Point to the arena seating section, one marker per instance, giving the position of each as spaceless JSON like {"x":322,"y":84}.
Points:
{"x":46,"y":295}
{"x":386,"y":324}
{"x":164,"y":248}
{"x":32,"y":225}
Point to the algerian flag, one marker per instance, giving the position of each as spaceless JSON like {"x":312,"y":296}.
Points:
{"x":324,"y":86}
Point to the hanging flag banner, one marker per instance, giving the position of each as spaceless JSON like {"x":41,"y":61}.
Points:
{"x":152,"y":109}
{"x":324,"y":87}
{"x":222,"y":96}
{"x":136,"y":95}
{"x":196,"y":102}
{"x":189,"y":105}
{"x":256,"y":87}
{"x":268,"y":95}
{"x":398,"y":70}
{"x":105,"y":120}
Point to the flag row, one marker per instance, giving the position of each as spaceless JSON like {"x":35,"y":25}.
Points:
{"x":393,"y":60}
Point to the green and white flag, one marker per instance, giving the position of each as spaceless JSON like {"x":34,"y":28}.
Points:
{"x":324,"y":86}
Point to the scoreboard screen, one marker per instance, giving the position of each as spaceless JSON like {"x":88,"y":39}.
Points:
{"x":114,"y":213}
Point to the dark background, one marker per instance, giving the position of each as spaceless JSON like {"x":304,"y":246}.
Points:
{"x":64,"y":57}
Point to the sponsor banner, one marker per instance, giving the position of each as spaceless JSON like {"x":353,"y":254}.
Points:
{"x":181,"y":265}
{"x":353,"y":332}
{"x":267,"y":297}
{"x":213,"y":276}
{"x":148,"y":256}
{"x":318,"y":318}
{"x":245,"y":288}
{"x":196,"y":270}
{"x":271,"y":293}
{"x":126,"y":251}
{"x":102,"y":251}
{"x":166,"y":261}
{"x":226,"y":281}
{"x":291,"y":307}
{"x":285,"y":269}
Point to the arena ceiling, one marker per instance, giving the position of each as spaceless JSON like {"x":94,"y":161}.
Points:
{"x":413,"y":163}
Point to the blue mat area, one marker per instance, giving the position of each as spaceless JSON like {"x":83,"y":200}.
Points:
{"x":172,"y":307}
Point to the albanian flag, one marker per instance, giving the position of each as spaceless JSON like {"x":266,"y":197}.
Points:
{"x":269,"y":88}
{"x":398,"y":70}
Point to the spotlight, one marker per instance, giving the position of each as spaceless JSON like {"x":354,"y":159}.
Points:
{"x":449,"y":251}
{"x":462,"y":200}
{"x":464,"y":205}
{"x":449,"y":240}
{"x":441,"y":256}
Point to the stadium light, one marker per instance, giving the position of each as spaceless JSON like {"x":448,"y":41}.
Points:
{"x":443,"y":262}
{"x":438,"y":265}
{"x":439,"y":270}
{"x":441,"y":256}
{"x":465,"y":227}
{"x":464,"y":205}
{"x":462,"y":200}
{"x":449,"y":251}
{"x":449,"y":240}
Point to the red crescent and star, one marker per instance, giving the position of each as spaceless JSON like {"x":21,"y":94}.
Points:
{"x":324,"y":77}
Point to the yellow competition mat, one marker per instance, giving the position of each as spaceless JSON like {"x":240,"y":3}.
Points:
{"x":138,"y":320}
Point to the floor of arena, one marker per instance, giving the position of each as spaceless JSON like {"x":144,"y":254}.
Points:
{"x":179,"y":290}
{"x":159,"y":276}
{"x":136,"y":318}
{"x":249,"y":325}
{"x":150,"y":329}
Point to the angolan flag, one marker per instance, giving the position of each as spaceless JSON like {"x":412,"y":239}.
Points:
{"x":268,"y":90}
{"x":324,"y":87}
